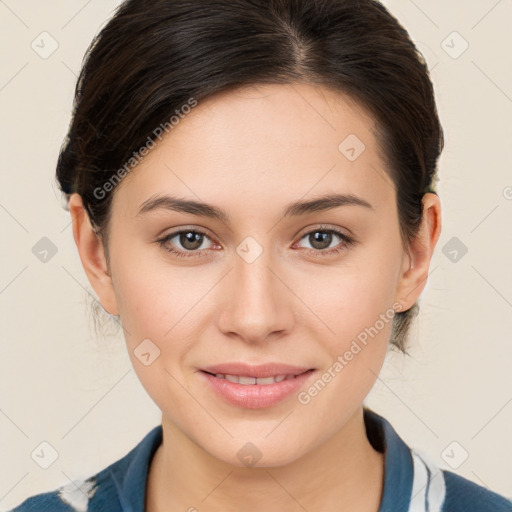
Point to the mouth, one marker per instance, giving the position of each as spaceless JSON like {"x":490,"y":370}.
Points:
{"x":243,"y":370}
{"x":255,"y":387}
{"x":260,"y":381}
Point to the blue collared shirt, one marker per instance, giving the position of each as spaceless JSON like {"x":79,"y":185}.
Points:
{"x":412,"y":483}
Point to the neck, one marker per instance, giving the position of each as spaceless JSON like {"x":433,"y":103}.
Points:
{"x":344,"y":474}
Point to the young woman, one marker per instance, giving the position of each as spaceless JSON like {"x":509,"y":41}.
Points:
{"x":251,"y":185}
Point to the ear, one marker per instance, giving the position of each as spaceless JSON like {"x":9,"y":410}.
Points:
{"x":92,"y":254}
{"x":416,"y":262}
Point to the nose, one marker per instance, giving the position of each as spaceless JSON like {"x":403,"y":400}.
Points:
{"x":257,"y":303}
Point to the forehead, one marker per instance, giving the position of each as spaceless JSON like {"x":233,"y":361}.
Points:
{"x":278,"y":142}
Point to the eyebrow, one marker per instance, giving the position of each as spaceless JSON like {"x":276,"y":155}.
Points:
{"x":323,"y":203}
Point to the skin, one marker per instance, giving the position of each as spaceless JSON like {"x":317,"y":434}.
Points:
{"x":251,"y":152}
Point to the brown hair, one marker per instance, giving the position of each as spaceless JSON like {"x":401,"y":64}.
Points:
{"x":153,"y":56}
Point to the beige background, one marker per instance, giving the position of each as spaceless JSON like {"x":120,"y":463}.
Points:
{"x":62,"y":384}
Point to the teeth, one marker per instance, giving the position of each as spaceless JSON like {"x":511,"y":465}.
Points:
{"x":253,"y":380}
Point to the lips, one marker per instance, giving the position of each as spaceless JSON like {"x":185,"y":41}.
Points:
{"x":256,"y":396}
{"x":256,"y":387}
{"x":244,"y":370}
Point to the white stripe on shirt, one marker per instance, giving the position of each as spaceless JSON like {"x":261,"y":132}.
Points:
{"x":419,"y":485}
{"x":428,"y":489}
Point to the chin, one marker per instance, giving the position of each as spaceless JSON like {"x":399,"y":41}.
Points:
{"x":257,"y":454}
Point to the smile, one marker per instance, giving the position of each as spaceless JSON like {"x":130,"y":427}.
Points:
{"x":241,"y":379}
{"x":255,"y":392}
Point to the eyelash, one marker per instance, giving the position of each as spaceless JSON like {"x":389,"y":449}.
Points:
{"x":347,"y":242}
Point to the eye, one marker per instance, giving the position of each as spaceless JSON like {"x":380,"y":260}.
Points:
{"x":321,"y":238}
{"x":190,"y":239}
{"x":192,"y":242}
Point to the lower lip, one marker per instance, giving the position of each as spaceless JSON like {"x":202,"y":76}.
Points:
{"x":256,"y":396}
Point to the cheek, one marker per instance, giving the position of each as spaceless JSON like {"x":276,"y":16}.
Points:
{"x":354,"y":297}
{"x":355,"y":305}
{"x":157,"y":300}
{"x":359,"y":317}
{"x":357,"y":309}
{"x":159,"y":317}
{"x":163,"y":309}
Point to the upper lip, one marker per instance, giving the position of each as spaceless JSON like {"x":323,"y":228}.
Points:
{"x":257,"y":371}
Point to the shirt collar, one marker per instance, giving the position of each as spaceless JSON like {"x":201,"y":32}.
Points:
{"x":398,"y":464}
{"x":131,"y":472}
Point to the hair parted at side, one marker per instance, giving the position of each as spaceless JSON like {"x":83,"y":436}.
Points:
{"x":154,"y":56}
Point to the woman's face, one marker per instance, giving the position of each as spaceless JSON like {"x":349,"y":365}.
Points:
{"x":262,"y":285}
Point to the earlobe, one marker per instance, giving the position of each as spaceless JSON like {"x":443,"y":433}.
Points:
{"x":415,"y":266}
{"x":92,"y":254}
